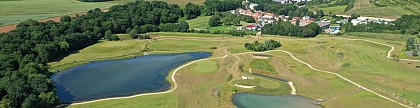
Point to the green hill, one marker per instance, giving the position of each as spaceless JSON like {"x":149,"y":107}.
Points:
{"x":374,"y":8}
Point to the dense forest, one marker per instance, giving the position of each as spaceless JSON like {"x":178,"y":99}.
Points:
{"x":285,"y":28}
{"x":229,"y":19}
{"x":25,"y":51}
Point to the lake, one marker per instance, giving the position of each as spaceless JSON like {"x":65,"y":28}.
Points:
{"x":115,"y":78}
{"x":250,"y":100}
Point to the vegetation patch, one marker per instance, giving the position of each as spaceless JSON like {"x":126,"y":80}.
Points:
{"x":263,"y":64}
{"x":206,"y":66}
{"x":267,"y":45}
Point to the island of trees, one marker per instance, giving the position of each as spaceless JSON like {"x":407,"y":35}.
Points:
{"x":259,"y":47}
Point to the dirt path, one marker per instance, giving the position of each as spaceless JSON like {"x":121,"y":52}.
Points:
{"x":10,"y":27}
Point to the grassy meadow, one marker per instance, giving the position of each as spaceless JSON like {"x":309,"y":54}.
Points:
{"x":210,"y":83}
{"x":101,"y":51}
{"x":367,"y":64}
{"x":14,"y":11}
{"x":366,"y":8}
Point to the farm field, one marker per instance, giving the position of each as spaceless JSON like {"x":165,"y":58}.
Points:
{"x":370,"y":69}
{"x":365,"y":8}
{"x":41,"y":9}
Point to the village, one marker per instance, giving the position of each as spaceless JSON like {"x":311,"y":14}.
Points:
{"x":328,"y":26}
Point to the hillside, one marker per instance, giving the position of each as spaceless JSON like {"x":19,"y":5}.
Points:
{"x":376,"y":8}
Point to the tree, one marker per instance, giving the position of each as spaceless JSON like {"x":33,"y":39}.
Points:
{"x":415,"y":52}
{"x":410,"y":43}
{"x":214,"y":21}
{"x":183,"y":26}
{"x":308,"y":32}
{"x":108,"y":34}
{"x":133,"y":34}
{"x":267,"y":45}
{"x":315,"y":27}
{"x":192,"y":11}
{"x":31,"y":101}
{"x":48,"y":100}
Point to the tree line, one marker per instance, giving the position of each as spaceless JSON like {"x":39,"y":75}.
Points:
{"x":25,"y":51}
{"x":411,"y":45}
{"x":229,"y":19}
{"x":289,"y":9}
{"x":259,"y":47}
{"x":210,"y":7}
{"x":286,"y":28}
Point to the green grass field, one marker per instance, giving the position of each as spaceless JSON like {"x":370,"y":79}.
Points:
{"x":263,"y":64}
{"x":207,"y":66}
{"x":154,"y":101}
{"x":197,"y":82}
{"x":101,"y":51}
{"x":199,"y":23}
{"x":368,"y":64}
{"x":15,"y":11}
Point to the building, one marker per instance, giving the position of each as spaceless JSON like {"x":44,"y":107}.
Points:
{"x":302,"y":22}
{"x":365,"y":20}
{"x":358,"y":21}
{"x":290,"y":1}
{"x":333,"y":29}
{"x":324,"y":24}
{"x":251,"y":27}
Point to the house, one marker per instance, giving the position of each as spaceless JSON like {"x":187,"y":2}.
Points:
{"x":333,"y":29}
{"x":302,"y":23}
{"x":251,"y":27}
{"x":267,"y":19}
{"x":290,"y":1}
{"x":324,"y":24}
{"x":358,"y":21}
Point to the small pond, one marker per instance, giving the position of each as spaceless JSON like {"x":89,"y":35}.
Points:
{"x":250,"y":100}
{"x":115,"y":78}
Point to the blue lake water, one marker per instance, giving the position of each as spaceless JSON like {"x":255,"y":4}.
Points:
{"x":250,"y":100}
{"x":119,"y":77}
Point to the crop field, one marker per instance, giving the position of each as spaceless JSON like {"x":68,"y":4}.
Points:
{"x":366,"y":8}
{"x":40,"y":9}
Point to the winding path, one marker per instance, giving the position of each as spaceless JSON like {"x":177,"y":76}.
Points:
{"x":175,"y":86}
